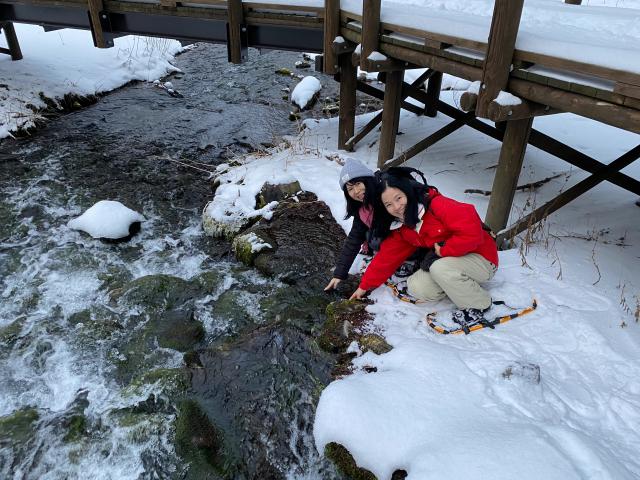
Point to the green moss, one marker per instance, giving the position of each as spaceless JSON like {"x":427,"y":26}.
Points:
{"x":154,"y":292}
{"x":76,"y":428}
{"x":173,"y":380}
{"x":374,"y":343}
{"x":243,"y":247}
{"x":19,"y":426}
{"x":9,"y":334}
{"x":335,"y":336}
{"x":345,"y":462}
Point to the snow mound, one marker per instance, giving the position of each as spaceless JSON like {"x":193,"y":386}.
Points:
{"x":106,"y":219}
{"x":305,"y":91}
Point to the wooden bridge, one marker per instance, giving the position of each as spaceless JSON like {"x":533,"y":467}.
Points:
{"x":349,"y":37}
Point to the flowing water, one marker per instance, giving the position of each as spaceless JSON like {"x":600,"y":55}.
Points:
{"x":88,"y":386}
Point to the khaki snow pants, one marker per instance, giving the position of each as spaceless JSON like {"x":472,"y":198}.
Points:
{"x":457,"y":278}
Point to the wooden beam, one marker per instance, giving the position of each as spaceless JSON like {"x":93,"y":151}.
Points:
{"x":468,"y":101}
{"x":433,"y":94}
{"x":347,"y":114}
{"x":605,"y":112}
{"x":572,"y":193}
{"x":12,"y":40}
{"x":627,"y":89}
{"x":235,"y":21}
{"x":526,"y":109}
{"x":331,"y":31}
{"x":514,"y":144}
{"x":573,"y":2}
{"x":502,"y":42}
{"x":390,"y":115}
{"x":340,"y":48}
{"x":370,"y":30}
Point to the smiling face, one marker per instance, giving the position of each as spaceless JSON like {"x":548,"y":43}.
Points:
{"x":356,"y":191}
{"x":395,"y":201}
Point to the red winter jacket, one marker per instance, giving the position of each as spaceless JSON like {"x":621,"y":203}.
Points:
{"x":455,"y":223}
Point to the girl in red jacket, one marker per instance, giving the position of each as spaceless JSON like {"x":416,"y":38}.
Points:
{"x":463,"y":254}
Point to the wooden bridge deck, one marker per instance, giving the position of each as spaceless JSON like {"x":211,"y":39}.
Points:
{"x":543,"y":83}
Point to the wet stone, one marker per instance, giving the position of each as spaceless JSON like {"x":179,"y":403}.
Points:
{"x":262,"y":378}
{"x":306,"y":241}
{"x":276,"y":193}
{"x":200,"y":443}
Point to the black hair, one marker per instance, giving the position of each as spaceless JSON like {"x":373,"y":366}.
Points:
{"x":370,"y":195}
{"x":417,"y":192}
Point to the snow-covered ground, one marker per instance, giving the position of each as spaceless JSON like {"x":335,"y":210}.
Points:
{"x":66,"y":62}
{"x":437,"y":406}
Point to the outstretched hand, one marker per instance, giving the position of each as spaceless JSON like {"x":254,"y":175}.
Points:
{"x":358,"y":294}
{"x":436,"y":248}
{"x":333,"y":283}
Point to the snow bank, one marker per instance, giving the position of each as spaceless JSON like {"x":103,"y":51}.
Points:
{"x":66,"y":62}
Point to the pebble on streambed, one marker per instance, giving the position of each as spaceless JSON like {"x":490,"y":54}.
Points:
{"x":107,"y":219}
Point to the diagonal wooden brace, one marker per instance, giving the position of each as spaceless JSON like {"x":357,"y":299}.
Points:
{"x":572,"y":193}
{"x":12,"y":41}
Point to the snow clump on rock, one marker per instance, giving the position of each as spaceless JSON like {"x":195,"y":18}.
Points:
{"x":106,"y":219}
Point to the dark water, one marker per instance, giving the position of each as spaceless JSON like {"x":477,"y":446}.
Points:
{"x":87,"y":388}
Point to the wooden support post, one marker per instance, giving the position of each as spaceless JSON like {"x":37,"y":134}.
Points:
{"x":12,"y":40}
{"x":433,"y":92}
{"x":236,"y":51}
{"x":370,"y":30}
{"x":406,"y":89}
{"x":347,"y":115}
{"x":100,"y":40}
{"x":505,"y":182}
{"x":501,"y":45}
{"x":331,"y":31}
{"x":390,"y":115}
{"x":571,"y":194}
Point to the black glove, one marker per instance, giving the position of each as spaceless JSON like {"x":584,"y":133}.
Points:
{"x":428,"y":260}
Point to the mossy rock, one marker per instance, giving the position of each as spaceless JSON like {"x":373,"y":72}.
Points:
{"x":176,"y":329}
{"x":154,"y":292}
{"x":276,"y":193}
{"x":341,"y":457}
{"x":9,"y":334}
{"x":226,"y":229}
{"x":76,"y":428}
{"x":172,"y":381}
{"x":97,"y":323}
{"x":200,"y":443}
{"x":248,"y":246}
{"x":374,"y":343}
{"x":206,"y":282}
{"x":337,"y":329}
{"x":19,"y":426}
